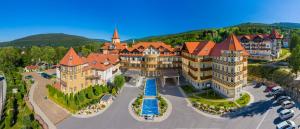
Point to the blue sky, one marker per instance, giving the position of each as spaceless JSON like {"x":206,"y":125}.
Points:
{"x":135,"y":18}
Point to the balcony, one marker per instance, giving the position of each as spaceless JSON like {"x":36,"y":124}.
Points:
{"x":206,"y":77}
{"x":115,"y":71}
{"x":92,"y":77}
{"x":191,"y":75}
{"x":193,"y":68}
{"x":206,"y":69}
{"x":189,"y":58}
{"x":206,"y":60}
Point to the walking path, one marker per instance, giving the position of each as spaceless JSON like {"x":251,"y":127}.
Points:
{"x":46,"y":107}
{"x":37,"y":109}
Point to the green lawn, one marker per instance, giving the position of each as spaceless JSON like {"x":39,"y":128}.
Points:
{"x":213,"y":99}
{"x":188,"y":89}
{"x":243,"y":100}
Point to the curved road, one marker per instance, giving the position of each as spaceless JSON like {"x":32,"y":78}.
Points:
{"x":259,"y":115}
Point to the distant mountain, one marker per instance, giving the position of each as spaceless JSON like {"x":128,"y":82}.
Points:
{"x":219,"y":34}
{"x":51,"y":39}
{"x":287,"y":25}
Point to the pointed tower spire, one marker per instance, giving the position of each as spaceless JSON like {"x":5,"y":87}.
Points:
{"x":115,"y":38}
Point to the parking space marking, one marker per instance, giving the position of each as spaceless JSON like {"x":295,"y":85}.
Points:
{"x":258,"y":126}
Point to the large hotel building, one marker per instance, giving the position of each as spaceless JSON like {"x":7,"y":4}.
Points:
{"x":222,"y":66}
{"x":263,"y":46}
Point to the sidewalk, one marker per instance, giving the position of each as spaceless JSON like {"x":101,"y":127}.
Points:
{"x":37,"y":109}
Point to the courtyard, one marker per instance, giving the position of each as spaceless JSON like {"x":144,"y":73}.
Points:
{"x":261,"y":114}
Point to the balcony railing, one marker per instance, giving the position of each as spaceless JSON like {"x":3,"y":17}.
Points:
{"x":206,"y":69}
{"x":193,"y":68}
{"x":189,"y":58}
{"x":93,"y":77}
{"x":194,"y":77}
{"x":206,"y":77}
{"x":206,"y":60}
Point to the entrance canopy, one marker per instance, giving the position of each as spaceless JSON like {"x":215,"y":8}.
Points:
{"x":132,"y":73}
{"x":170,"y":73}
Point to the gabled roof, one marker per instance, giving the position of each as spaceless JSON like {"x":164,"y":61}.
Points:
{"x":275,"y":34}
{"x":157,"y":45}
{"x":71,"y":58}
{"x":199,"y":48}
{"x":102,"y":61}
{"x":118,"y":46}
{"x":231,"y":43}
{"x":116,"y":34}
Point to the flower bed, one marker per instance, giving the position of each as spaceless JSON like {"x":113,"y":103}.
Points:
{"x":163,"y":106}
{"x":91,"y":109}
{"x":211,"y":102}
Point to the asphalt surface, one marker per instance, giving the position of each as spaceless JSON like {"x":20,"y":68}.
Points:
{"x":261,"y":114}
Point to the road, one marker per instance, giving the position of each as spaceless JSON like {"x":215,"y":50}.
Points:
{"x":261,"y":114}
{"x":54,"y":112}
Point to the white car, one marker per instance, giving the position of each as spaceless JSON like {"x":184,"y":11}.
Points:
{"x":282,"y":98}
{"x":286,"y":113}
{"x":276,"y":90}
{"x":286,"y":125}
{"x":287,"y":104}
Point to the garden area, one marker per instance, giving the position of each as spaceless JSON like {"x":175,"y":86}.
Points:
{"x":209,"y":101}
{"x":86,"y":97}
{"x":16,"y":114}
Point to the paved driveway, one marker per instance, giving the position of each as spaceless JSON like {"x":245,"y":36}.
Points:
{"x":256,"y":116}
{"x":52,"y":110}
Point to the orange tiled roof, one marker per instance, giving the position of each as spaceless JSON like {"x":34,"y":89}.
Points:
{"x":118,"y":46}
{"x":116,"y":34}
{"x":141,"y":46}
{"x":275,"y":34}
{"x":102,"y":61}
{"x":231,"y":43}
{"x":200,"y":48}
{"x":32,"y":67}
{"x":71,"y":58}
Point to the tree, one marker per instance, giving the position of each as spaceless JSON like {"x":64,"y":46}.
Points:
{"x":294,"y":60}
{"x":295,"y":40}
{"x":36,"y":54}
{"x":85,"y":51}
{"x":119,"y":81}
{"x":114,"y":91}
{"x":49,"y":54}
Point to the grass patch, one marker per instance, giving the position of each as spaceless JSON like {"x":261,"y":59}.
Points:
{"x":212,"y":99}
{"x":243,"y":100}
{"x":188,"y":89}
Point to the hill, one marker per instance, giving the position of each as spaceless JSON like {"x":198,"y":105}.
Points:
{"x":219,"y":34}
{"x":52,"y":39}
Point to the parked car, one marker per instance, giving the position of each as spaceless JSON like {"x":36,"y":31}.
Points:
{"x":276,"y":90}
{"x":258,"y":85}
{"x":280,"y":99}
{"x":286,"y":125}
{"x":287,"y":104}
{"x":286,"y":113}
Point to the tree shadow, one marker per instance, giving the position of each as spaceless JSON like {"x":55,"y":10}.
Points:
{"x":256,"y":108}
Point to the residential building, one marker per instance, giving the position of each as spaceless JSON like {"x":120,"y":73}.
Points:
{"x":222,"y":66}
{"x":197,"y":63}
{"x":150,"y":58}
{"x":262,"y":46}
{"x":76,"y":73}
